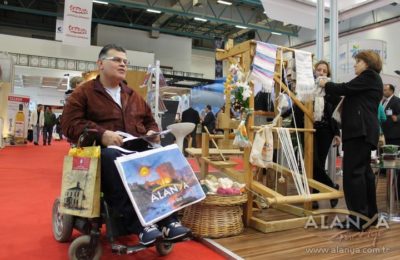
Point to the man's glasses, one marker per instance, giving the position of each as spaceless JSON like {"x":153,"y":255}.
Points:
{"x":117,"y":60}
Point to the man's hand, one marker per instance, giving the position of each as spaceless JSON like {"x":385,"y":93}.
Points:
{"x":111,"y":138}
{"x":394,"y":118}
{"x":154,"y":139}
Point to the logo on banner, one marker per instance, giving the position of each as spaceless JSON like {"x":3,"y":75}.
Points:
{"x":77,"y":29}
{"x":78,"y":10}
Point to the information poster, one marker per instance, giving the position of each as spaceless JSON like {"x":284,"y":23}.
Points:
{"x":17,"y":119}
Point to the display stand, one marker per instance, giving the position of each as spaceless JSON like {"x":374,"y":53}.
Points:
{"x":153,"y":93}
{"x":243,"y":54}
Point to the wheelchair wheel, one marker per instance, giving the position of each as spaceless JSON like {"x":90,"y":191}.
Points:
{"x":80,"y":249}
{"x":164,"y":248}
{"x":62,"y":223}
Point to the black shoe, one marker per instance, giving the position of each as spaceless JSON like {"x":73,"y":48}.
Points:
{"x":315,"y":205}
{"x":35,"y":143}
{"x":334,"y":202}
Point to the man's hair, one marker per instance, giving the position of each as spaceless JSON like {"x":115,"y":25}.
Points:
{"x":371,"y":58}
{"x":327,"y":65}
{"x":208,"y":107}
{"x":106,"y":48}
{"x":391,"y":87}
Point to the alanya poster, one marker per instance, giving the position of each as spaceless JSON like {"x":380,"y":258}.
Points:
{"x":159,"y":182}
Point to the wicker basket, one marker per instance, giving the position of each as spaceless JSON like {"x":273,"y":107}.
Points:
{"x":216,"y":216}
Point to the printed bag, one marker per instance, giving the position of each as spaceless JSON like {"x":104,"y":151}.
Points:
{"x":80,"y":190}
{"x":159,"y":182}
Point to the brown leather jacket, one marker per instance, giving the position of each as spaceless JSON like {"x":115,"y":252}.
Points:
{"x":91,"y":107}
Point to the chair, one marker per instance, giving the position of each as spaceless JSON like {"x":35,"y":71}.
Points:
{"x":180,"y":131}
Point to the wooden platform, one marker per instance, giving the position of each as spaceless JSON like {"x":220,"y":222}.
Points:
{"x":327,"y":244}
{"x":213,"y":151}
{"x":219,"y":163}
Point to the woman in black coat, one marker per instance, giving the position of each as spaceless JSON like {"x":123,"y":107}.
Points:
{"x":360,"y":133}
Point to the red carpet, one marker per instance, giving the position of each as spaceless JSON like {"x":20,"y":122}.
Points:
{"x":30,"y":180}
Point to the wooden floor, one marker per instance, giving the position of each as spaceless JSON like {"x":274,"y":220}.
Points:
{"x":313,"y":243}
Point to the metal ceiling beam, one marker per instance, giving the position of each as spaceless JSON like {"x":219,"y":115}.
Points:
{"x":212,"y":18}
{"x":29,"y":10}
{"x":108,"y":22}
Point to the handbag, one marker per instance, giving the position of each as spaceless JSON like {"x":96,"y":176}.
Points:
{"x":261,"y":154}
{"x":80,"y":189}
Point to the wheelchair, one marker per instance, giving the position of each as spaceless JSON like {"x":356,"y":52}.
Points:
{"x":88,"y":245}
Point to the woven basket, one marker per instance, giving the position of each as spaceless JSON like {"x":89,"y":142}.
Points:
{"x":216,"y":216}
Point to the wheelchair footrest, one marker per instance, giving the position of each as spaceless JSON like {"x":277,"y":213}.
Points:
{"x":123,"y":250}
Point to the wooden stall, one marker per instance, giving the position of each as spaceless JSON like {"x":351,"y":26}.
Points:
{"x":243,"y":54}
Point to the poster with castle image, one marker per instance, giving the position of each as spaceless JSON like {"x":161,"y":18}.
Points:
{"x":159,"y":182}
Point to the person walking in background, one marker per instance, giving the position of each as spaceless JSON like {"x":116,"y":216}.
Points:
{"x":73,"y":83}
{"x":391,"y":105}
{"x":37,"y":121}
{"x":208,"y":120}
{"x":191,"y":115}
{"x":49,"y":122}
{"x":58,"y":127}
{"x":360,"y":134}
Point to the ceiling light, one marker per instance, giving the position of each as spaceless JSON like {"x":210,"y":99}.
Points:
{"x":241,"y":27}
{"x":276,"y":33}
{"x":224,"y":2}
{"x":153,"y":11}
{"x":200,"y":19}
{"x":44,"y":86}
{"x":100,"y":2}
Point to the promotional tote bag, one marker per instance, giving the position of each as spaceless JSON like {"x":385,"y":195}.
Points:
{"x":80,"y":189}
{"x":159,"y":182}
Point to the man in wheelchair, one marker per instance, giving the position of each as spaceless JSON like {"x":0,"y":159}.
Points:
{"x":106,"y":104}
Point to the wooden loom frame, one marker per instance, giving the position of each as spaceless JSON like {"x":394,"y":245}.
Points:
{"x":245,"y":52}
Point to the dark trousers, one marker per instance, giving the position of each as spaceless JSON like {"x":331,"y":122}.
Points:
{"x":322,"y":144}
{"x":186,"y":141}
{"x":358,"y":178}
{"x":115,"y":193}
{"x":47,"y":134}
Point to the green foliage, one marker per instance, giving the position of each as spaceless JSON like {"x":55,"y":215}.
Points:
{"x":390,"y":149}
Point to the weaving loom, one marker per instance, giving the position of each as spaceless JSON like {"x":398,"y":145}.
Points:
{"x":244,"y":53}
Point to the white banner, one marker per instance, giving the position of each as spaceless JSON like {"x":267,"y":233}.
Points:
{"x":77,"y":22}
